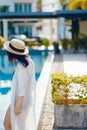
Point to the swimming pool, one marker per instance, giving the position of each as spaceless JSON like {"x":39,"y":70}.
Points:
{"x":6,"y":72}
{"x":7,"y":69}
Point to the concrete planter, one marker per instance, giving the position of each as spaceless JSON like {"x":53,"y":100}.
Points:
{"x":72,"y":116}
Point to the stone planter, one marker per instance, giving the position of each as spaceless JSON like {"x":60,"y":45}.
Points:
{"x":69,"y":95}
{"x":70,"y":116}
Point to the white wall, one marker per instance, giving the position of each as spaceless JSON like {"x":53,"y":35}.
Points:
{"x":23,"y":1}
{"x":50,"y":5}
{"x":34,"y":6}
{"x":57,"y":29}
{"x":50,"y":27}
{"x":5,"y":2}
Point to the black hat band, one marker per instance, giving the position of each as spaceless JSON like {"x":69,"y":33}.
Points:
{"x":15,"y":49}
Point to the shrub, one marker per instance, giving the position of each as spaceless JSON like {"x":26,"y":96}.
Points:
{"x":75,"y":44}
{"x":45,"y":42}
{"x":31,"y":43}
{"x":1,"y":41}
{"x":66,"y":43}
{"x":79,"y":43}
{"x":56,"y":47}
{"x":63,"y":42}
{"x":68,"y":89}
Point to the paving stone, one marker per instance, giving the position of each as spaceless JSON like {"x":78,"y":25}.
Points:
{"x":47,"y":115}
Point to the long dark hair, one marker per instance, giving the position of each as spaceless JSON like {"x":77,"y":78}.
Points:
{"x":21,"y":58}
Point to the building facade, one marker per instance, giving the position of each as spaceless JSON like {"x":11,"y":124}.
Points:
{"x":53,"y":29}
{"x":50,"y":26}
{"x":19,"y":26}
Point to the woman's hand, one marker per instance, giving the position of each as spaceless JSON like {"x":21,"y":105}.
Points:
{"x":17,"y":109}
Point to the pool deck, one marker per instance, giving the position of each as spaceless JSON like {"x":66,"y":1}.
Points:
{"x":72,"y":64}
{"x":47,"y":113}
{"x":42,"y":86}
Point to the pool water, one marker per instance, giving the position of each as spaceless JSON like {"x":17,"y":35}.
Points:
{"x":6,"y":73}
{"x":7,"y":69}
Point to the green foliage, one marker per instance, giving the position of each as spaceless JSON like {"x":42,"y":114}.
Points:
{"x":79,"y":43}
{"x":31,"y":43}
{"x":55,"y":44}
{"x":1,"y":41}
{"x":68,"y":89}
{"x":63,"y":3}
{"x":66,"y":43}
{"x":45,"y":42}
{"x":39,"y":5}
{"x":4,"y":8}
{"x":56,"y":47}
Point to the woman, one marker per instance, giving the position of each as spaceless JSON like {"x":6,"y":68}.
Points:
{"x":21,"y":113}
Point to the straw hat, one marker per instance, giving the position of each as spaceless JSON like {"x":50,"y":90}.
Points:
{"x":16,"y":46}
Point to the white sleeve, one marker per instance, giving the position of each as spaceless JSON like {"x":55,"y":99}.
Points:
{"x":22,"y":76}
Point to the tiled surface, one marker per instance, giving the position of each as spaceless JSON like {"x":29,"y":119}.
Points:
{"x":71,"y":64}
{"x":75,"y":64}
{"x":47,"y":115}
{"x":41,"y":87}
{"x":46,"y":119}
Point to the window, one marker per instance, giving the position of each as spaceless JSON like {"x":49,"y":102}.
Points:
{"x":23,"y":7}
{"x":27,"y":30}
{"x":18,"y":7}
{"x":27,"y":7}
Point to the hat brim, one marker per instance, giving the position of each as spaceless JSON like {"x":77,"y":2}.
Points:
{"x":6,"y":47}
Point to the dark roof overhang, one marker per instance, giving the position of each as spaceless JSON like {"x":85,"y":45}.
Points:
{"x":32,"y":15}
{"x":68,"y":14}
{"x":71,"y":14}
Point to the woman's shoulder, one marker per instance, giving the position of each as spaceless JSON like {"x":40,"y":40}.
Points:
{"x":20,"y":66}
{"x":30,"y":60}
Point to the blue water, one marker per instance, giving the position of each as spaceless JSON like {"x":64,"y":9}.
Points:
{"x":6,"y":73}
{"x":7,"y":69}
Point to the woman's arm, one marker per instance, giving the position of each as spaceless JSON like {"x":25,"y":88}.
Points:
{"x":17,"y":109}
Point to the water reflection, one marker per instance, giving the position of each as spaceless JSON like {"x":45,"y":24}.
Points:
{"x":5,"y":90}
{"x":6,"y":68}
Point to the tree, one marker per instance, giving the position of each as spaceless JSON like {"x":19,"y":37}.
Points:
{"x":77,"y":4}
{"x":39,"y":5}
{"x":4,"y":8}
{"x":63,"y":3}
{"x":73,"y":5}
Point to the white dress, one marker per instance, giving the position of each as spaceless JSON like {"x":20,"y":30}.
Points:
{"x":24,"y":84}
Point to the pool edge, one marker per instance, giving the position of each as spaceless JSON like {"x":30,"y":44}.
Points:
{"x":41,"y":86}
